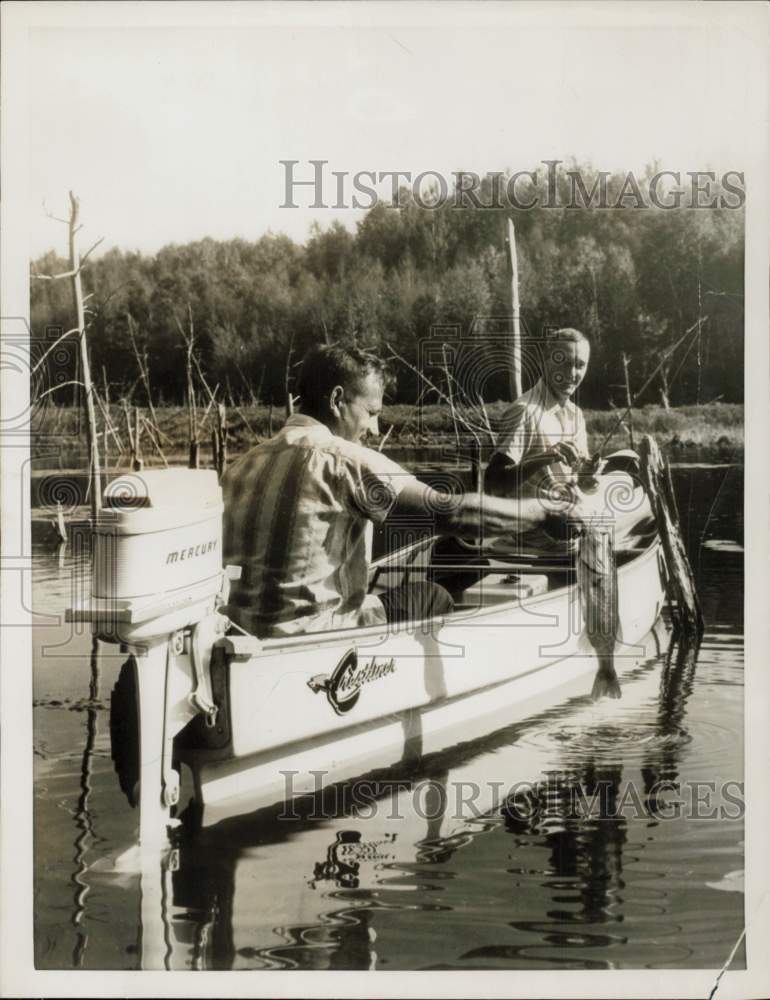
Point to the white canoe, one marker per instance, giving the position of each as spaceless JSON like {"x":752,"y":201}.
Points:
{"x":298,"y":713}
{"x":257,"y":721}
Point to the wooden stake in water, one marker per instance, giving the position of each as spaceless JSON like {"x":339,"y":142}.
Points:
{"x":137,"y":462}
{"x":61,"y":528}
{"x":221,"y":434}
{"x":515,"y":369}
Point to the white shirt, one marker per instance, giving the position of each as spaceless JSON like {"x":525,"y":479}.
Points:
{"x":537,"y":421}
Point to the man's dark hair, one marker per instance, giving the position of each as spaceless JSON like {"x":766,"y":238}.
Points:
{"x":328,"y":365}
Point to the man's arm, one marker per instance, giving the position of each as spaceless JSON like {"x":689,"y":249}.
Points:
{"x":469,"y":513}
{"x":505,"y":477}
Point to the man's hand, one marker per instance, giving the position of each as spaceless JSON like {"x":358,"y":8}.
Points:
{"x":588,"y":473}
{"x":566,"y":452}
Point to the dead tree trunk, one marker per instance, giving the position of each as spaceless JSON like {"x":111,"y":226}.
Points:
{"x":137,"y":464}
{"x":515,"y":363}
{"x":192,"y":412}
{"x":629,"y":402}
{"x":287,"y":380}
{"x":144,"y":372}
{"x":77,"y":296}
{"x":664,"y":388}
{"x":221,"y":435}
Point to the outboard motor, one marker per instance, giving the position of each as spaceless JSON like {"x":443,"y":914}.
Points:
{"x":157,"y":554}
{"x":157,"y":582}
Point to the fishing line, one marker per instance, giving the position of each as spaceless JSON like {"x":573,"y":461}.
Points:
{"x":686,"y":354}
{"x":713,"y":505}
{"x":667,"y":354}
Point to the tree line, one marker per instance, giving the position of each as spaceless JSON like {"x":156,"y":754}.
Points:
{"x":634,"y":279}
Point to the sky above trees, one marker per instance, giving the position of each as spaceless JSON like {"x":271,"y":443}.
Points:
{"x":173,"y":132}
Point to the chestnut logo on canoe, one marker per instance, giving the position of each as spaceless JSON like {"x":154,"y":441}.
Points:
{"x":348,"y":677}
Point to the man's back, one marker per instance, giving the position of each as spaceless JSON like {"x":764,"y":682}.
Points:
{"x":298,"y":513}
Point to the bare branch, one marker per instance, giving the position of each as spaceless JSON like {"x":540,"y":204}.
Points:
{"x":61,"y":385}
{"x":55,"y":277}
{"x":53,"y":345}
{"x":203,"y":379}
{"x":132,"y":389}
{"x":181,"y":330}
{"x":385,"y":437}
{"x":208,"y":405}
{"x":421,"y":375}
{"x":114,"y":291}
{"x":660,"y":367}
{"x":144,"y":374}
{"x":485,"y":415}
{"x":108,"y":423}
{"x":88,"y":252}
{"x":249,"y":389}
{"x":149,"y":428}
{"x":50,"y":215}
{"x":75,"y":271}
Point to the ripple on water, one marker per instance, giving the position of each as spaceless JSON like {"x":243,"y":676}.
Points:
{"x":634,"y":741}
{"x":629,"y":738}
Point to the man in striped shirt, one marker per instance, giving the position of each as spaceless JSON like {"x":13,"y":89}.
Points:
{"x":299,"y":510}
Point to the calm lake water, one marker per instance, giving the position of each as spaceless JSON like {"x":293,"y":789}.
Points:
{"x":592,"y":864}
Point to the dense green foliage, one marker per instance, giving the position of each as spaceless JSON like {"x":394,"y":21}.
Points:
{"x":634,"y":279}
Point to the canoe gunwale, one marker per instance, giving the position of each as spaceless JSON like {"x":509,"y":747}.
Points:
{"x":243,"y":646}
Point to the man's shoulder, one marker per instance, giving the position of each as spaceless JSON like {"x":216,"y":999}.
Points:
{"x":328,"y":448}
{"x":522,"y":405}
{"x":365,"y":458}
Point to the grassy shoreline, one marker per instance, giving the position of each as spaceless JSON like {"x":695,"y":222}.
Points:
{"x":706,"y":432}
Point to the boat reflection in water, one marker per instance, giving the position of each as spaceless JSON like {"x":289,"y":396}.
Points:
{"x":328,"y":881}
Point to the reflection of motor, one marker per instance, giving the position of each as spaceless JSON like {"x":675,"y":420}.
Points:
{"x":523,"y":807}
{"x":343,"y":874}
{"x":124,"y":731}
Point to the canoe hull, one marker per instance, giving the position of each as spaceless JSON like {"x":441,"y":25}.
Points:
{"x":303,"y":714}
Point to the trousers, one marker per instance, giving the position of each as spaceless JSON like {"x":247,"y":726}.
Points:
{"x":416,"y":601}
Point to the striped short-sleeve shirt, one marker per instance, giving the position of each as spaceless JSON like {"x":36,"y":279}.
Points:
{"x":299,"y":510}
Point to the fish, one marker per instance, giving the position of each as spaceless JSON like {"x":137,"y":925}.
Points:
{"x":597,"y":577}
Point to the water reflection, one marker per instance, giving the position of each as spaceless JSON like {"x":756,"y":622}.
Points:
{"x":312,"y":887}
{"x":83,"y":819}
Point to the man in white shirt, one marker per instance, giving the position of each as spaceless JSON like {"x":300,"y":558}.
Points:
{"x":543,"y":433}
{"x":542,"y":449}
